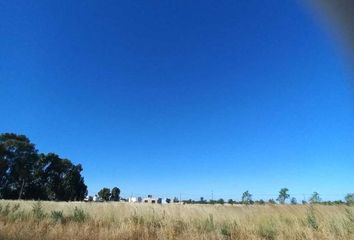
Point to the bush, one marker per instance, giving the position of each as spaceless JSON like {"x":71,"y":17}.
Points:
{"x":15,"y":207}
{"x":225,"y":231}
{"x":5,"y":211}
{"x":311,"y":218}
{"x":179,"y":227}
{"x":136,"y":220}
{"x":57,"y":216}
{"x":19,"y":215}
{"x":37,"y":210}
{"x":208,"y":224}
{"x":349,"y":223}
{"x":79,"y":215}
{"x":267,"y":230}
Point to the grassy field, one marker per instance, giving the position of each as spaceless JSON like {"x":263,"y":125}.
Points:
{"x":77,"y":220}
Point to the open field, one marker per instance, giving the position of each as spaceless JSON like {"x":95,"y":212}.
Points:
{"x":77,"y":220}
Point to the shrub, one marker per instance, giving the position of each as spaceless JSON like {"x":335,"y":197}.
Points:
{"x":136,"y":220}
{"x":208,"y":224}
{"x":79,"y":215}
{"x":19,"y":215}
{"x":311,"y":218}
{"x":267,"y":230}
{"x":15,"y":207}
{"x":225,"y":230}
{"x":179,"y":227}
{"x":349,"y":223}
{"x":5,"y":211}
{"x":37,"y":210}
{"x":57,"y":216}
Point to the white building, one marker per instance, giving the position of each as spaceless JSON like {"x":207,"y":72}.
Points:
{"x":135,"y":199}
{"x":149,"y":199}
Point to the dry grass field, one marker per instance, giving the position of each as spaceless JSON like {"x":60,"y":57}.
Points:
{"x":77,"y":220}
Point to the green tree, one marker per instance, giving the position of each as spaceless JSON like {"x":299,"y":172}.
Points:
{"x":272,"y":201}
{"x":4,"y":175}
{"x":26,"y":174}
{"x":62,"y":179}
{"x":115,"y":194}
{"x":293,"y":201}
{"x":315,"y":198}
{"x":105,"y":194}
{"x":18,"y":158}
{"x":283,"y":195}
{"x":349,"y":198}
{"x":74,"y":185}
{"x":246,"y":198}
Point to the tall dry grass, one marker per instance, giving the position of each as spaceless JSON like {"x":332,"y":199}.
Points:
{"x":77,"y":220}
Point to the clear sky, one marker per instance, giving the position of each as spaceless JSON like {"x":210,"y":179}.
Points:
{"x":190,"y":97}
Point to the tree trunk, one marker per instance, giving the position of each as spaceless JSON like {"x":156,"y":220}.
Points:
{"x":22,"y":185}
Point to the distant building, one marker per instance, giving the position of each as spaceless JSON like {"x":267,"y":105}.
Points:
{"x":88,"y":199}
{"x":97,"y":199}
{"x":150,"y":199}
{"x":135,"y":199}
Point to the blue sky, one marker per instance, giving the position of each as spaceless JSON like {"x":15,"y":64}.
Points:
{"x":190,"y":97}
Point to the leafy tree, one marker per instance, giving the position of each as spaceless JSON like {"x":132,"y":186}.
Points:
{"x":315,"y":198}
{"x":168,"y":200}
{"x":54,"y":170}
{"x":246,"y":198}
{"x":349,"y":198}
{"x":61,"y":179}
{"x":26,"y":174}
{"x":230,"y":201}
{"x":115,"y":194}
{"x":3,"y":168}
{"x":293,"y":201}
{"x":175,"y":200}
{"x":105,"y":194}
{"x":272,"y":201}
{"x":338,"y":202}
{"x":221,"y":201}
{"x":283,"y":195}
{"x":18,"y":158}
{"x":74,"y":184}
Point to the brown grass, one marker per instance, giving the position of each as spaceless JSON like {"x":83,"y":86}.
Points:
{"x":76,"y":220}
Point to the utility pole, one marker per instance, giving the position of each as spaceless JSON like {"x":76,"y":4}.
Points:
{"x":212,"y":195}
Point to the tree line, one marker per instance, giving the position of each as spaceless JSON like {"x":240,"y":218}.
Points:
{"x":283,"y":198}
{"x":105,"y":194}
{"x":27,"y":174}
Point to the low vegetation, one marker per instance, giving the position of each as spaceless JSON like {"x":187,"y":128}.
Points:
{"x":114,"y":220}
